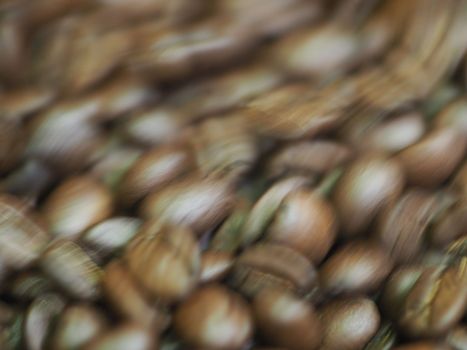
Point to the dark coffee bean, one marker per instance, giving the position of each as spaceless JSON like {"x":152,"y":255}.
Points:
{"x":165,"y":260}
{"x":213,"y":311}
{"x":368,"y":185}
{"x":397,"y":287}
{"x":306,"y":222}
{"x":436,"y":302}
{"x":286,"y":320}
{"x":272,"y":265}
{"x":402,"y":226}
{"x":349,"y":323}
{"x":357,"y":267}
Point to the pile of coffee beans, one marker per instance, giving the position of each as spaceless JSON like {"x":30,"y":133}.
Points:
{"x":233,"y":175}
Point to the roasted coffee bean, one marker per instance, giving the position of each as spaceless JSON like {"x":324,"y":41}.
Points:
{"x":225,"y":146}
{"x":77,"y":204}
{"x":158,"y":125}
{"x":22,"y":237}
{"x":272,"y":265}
{"x":111,"y":235}
{"x":113,"y":164}
{"x":64,"y":137}
{"x":266,"y":206}
{"x":349,"y":323}
{"x":453,"y":115}
{"x":77,"y":325}
{"x":357,"y":267}
{"x":402,"y":226}
{"x":306,"y":222}
{"x":67,"y":264}
{"x":126,"y":297}
{"x":309,"y":51}
{"x":200,"y":204}
{"x":397,"y":287}
{"x":215,"y":265}
{"x":210,"y":311}
{"x":436,"y":302}
{"x":225,"y":91}
{"x":368,"y":185}
{"x":165,"y":260}
{"x":452,"y":225}
{"x":287,"y":321}
{"x":315,"y":157}
{"x":39,"y":318}
{"x":153,"y":171}
{"x":124,"y":337}
{"x":395,"y":134}
{"x":431,"y":160}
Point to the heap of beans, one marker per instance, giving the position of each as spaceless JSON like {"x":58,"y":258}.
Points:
{"x":233,"y":175}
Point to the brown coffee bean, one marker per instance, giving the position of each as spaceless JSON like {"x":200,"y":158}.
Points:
{"x":306,"y":222}
{"x":453,"y":115}
{"x":153,"y":171}
{"x":402,"y":226}
{"x":39,"y":318}
{"x":124,"y":337}
{"x":272,"y":265}
{"x":64,"y":137}
{"x":165,"y":260}
{"x":224,"y":91}
{"x":126,"y":297}
{"x":433,"y":159}
{"x":348,"y":323}
{"x":22,"y":237}
{"x":95,"y":56}
{"x":77,"y":204}
{"x":369,"y":184}
{"x":77,"y":325}
{"x":225,"y":146}
{"x":214,"y":317}
{"x":276,"y":19}
{"x":113,"y":164}
{"x":67,"y":264}
{"x":397,"y":287}
{"x":292,"y":112}
{"x":452,"y":225}
{"x":397,"y":133}
{"x":436,"y":302}
{"x":315,"y":157}
{"x":357,"y":267}
{"x":318,"y":52}
{"x":266,"y":207}
{"x":111,"y":235}
{"x":123,"y":94}
{"x":158,"y":125}
{"x":285,"y":320}
{"x":215,"y":265}
{"x":200,"y":204}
